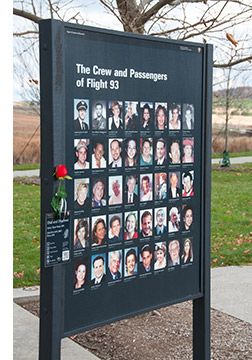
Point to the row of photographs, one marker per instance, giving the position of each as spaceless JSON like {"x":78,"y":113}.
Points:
{"x":122,"y":116}
{"x":130,"y":190}
{"x":100,"y":153}
{"x":131,"y":262}
{"x":132,"y":225}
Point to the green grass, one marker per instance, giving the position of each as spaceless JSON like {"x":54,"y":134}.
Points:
{"x":26,"y":244}
{"x":240,"y":106}
{"x":232,"y":155}
{"x":26,"y":166}
{"x":231,"y":238}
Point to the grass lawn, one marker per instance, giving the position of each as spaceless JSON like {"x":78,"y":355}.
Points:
{"x":26,"y":166}
{"x":231,"y":223}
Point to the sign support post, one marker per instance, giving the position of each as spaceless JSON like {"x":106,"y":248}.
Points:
{"x":52,"y":81}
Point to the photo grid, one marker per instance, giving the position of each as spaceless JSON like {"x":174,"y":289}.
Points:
{"x":133,"y":166}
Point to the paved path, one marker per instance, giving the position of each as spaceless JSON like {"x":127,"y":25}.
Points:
{"x":231,"y":289}
{"x":235,"y":160}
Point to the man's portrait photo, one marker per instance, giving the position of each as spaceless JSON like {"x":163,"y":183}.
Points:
{"x":114,"y":265}
{"x":187,"y":183}
{"x":81,"y":115}
{"x":99,"y":121}
{"x":98,"y":269}
{"x":115,"y":153}
{"x":146,"y":260}
{"x":98,"y":156}
{"x":131,"y":190}
{"x":81,"y":154}
{"x":146,"y":223}
{"x":160,"y":153}
{"x":188,"y":117}
{"x":160,"y":221}
{"x":81,"y":195}
{"x":174,"y":253}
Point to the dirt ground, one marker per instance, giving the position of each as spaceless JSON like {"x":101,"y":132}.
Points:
{"x":165,"y":334}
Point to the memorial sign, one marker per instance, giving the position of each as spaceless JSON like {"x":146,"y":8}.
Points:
{"x":128,"y":116}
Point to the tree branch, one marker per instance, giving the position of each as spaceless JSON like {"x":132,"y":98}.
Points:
{"x":26,"y":15}
{"x":233,"y":63}
{"x":28,"y":32}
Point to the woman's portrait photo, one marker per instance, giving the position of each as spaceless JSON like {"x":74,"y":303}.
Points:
{"x":81,"y":195}
{"x":160,"y":116}
{"x":80,"y":274}
{"x":160,"y":256}
{"x":81,"y":233}
{"x":175,"y":117}
{"x":187,"y":256}
{"x":115,"y":190}
{"x":131,"y":155}
{"x":188,"y":150}
{"x":146,"y":122}
{"x":130,"y":261}
{"x":115,"y":119}
{"x":131,"y":115}
{"x":146,"y":152}
{"x":187,"y":216}
{"x":99,"y":230}
{"x":130,"y":225}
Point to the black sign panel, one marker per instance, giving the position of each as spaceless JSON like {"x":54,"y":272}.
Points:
{"x":133,"y":112}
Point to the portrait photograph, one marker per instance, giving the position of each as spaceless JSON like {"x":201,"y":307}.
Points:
{"x":187,"y":183}
{"x":81,"y":152}
{"x":81,"y":274}
{"x":160,"y":186}
{"x":115,"y":121}
{"x":174,"y":191}
{"x":99,"y":192}
{"x":174,"y":219}
{"x":188,"y":150}
{"x":82,"y":201}
{"x":160,"y":253}
{"x":115,"y":190}
{"x":161,"y":152}
{"x":98,"y":269}
{"x":146,"y":151}
{"x":145,"y":223}
{"x":160,"y":116}
{"x":146,"y":259}
{"x":146,"y":182}
{"x":99,"y":115}
{"x":174,"y":151}
{"x":160,"y":221}
{"x":130,"y":225}
{"x":81,"y":115}
{"x":188,"y":117}
{"x":175,"y":117}
{"x":99,"y":230}
{"x":173,"y":253}
{"x":99,"y":153}
{"x":187,"y":255}
{"x":130,"y":261}
{"x":114,"y":271}
{"x":131,"y":190}
{"x":115,"y":153}
{"x":146,"y":116}
{"x":187,"y":217}
{"x":131,"y":117}
{"x":81,"y":234}
{"x":115,"y":233}
{"x":130,"y":152}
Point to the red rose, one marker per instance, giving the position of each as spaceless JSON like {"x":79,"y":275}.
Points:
{"x":60,"y":171}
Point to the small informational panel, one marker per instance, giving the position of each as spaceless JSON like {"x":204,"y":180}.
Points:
{"x":133,"y":112}
{"x":57,"y":244}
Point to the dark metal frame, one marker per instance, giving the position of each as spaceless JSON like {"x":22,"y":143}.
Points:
{"x":52,"y":79}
